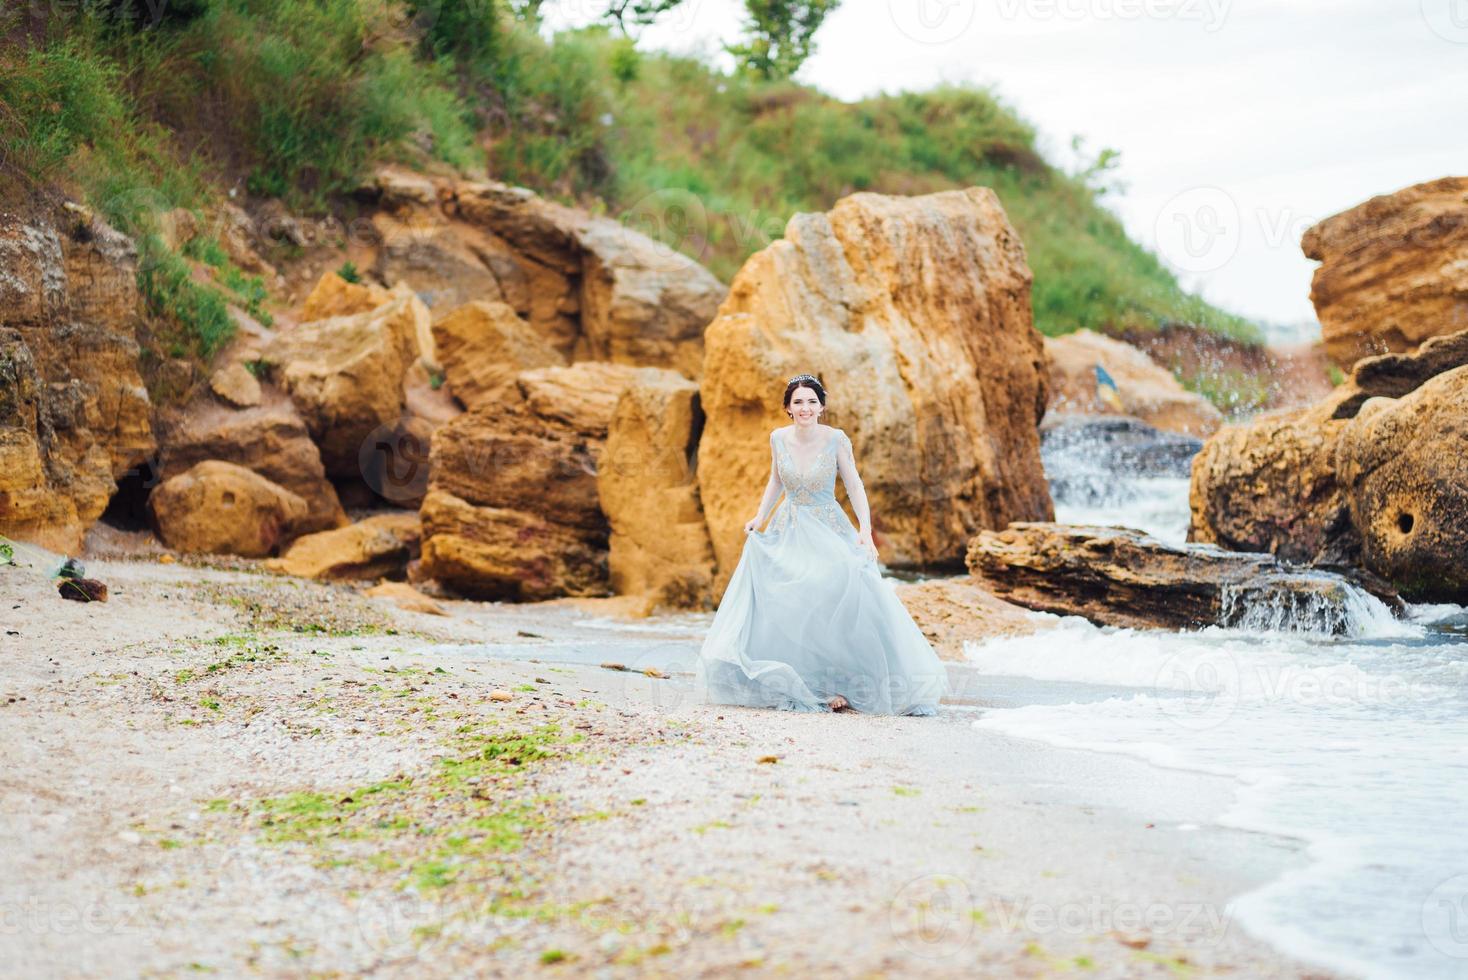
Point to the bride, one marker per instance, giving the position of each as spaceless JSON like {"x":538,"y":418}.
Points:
{"x":806,"y":622}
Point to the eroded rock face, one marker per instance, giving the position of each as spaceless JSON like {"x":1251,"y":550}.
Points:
{"x":1372,"y":475}
{"x":649,"y":492}
{"x":915,"y":313}
{"x":1403,"y":468}
{"x":583,"y":395}
{"x":345,"y":375}
{"x":220,"y":508}
{"x":376,"y":547}
{"x":512,"y":509}
{"x":1120,"y":577}
{"x":270,"y":440}
{"x":1394,"y":270}
{"x":591,"y":287}
{"x":1145,"y":389}
{"x":483,"y":347}
{"x":76,"y":417}
{"x":1270,"y":485}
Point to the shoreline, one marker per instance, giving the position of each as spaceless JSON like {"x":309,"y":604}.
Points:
{"x":179,"y":755}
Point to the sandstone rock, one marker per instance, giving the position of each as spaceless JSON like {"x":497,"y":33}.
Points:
{"x":512,"y":509}
{"x":1403,"y":468}
{"x":407,"y":598}
{"x":583,"y":395}
{"x":220,"y":508}
{"x":639,"y":302}
{"x":1394,"y":270}
{"x":345,"y":375}
{"x":53,"y":483}
{"x":270,"y":440}
{"x":498,"y":553}
{"x":236,"y":385}
{"x":448,"y":264}
{"x":377,"y":547}
{"x":1270,"y":485}
{"x":102,"y":275}
{"x":334,"y":296}
{"x":1146,"y":390}
{"x":74,"y":414}
{"x":1121,"y":577}
{"x":954,"y":611}
{"x":915,"y":312}
{"x":649,"y":493}
{"x":1394,"y":375}
{"x":483,"y":346}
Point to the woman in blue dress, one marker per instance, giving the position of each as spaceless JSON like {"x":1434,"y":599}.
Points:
{"x":807,"y":623}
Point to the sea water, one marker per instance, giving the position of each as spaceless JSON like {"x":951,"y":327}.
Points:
{"x":1356,"y":744}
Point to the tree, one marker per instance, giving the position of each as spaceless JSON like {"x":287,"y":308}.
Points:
{"x":778,"y":35}
{"x":640,"y":12}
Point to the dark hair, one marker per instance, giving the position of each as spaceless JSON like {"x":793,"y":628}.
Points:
{"x":805,"y":381}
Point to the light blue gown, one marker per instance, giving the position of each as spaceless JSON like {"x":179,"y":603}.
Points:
{"x":807,"y":614}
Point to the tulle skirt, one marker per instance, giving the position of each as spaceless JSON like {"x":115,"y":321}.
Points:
{"x":806,"y":616}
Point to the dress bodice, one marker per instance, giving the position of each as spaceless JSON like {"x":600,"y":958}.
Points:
{"x":816,"y":484}
{"x":811,"y":490}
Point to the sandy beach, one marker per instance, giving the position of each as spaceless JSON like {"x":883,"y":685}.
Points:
{"x":232,"y":772}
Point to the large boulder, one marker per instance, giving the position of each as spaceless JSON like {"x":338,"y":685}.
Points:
{"x":376,"y":547}
{"x":915,"y":313}
{"x":512,"y":510}
{"x":591,"y":287}
{"x":649,"y":492}
{"x":220,"y":508}
{"x":583,"y":395}
{"x":1270,"y":485}
{"x":483,"y":346}
{"x":1403,"y":468}
{"x":55,"y":480}
{"x":270,"y":440}
{"x":1121,"y":577}
{"x":345,"y":375}
{"x":76,"y":417}
{"x":1144,"y":389}
{"x":1394,"y":270}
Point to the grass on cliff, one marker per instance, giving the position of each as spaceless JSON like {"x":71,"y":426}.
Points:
{"x":296,"y":99}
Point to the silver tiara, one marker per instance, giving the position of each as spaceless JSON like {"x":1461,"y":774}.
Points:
{"x":805,"y":377}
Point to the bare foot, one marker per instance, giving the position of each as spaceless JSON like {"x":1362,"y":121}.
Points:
{"x":838,"y":703}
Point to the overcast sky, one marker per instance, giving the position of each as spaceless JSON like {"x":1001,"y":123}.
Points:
{"x":1240,"y":122}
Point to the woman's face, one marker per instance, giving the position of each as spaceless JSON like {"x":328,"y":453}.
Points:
{"x":805,"y":407}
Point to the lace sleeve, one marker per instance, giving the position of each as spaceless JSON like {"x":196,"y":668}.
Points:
{"x":774,"y":461}
{"x":855,"y":491}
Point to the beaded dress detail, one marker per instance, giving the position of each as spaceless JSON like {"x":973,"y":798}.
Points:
{"x":807,"y":614}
